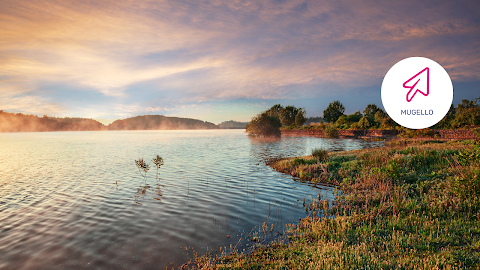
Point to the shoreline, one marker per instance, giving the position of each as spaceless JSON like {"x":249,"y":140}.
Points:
{"x":385,"y":134}
{"x":410,"y":204}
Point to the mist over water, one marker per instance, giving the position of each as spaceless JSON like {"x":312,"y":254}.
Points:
{"x":71,"y":199}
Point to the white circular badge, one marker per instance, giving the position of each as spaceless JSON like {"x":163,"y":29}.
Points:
{"x":417,"y":92}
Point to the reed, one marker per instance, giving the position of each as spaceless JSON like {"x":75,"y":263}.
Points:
{"x":158,"y":162}
{"x":142,"y":165}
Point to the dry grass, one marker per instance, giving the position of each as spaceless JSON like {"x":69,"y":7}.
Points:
{"x":408,"y":206}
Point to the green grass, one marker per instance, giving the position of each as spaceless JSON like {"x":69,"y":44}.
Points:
{"x":411,"y":205}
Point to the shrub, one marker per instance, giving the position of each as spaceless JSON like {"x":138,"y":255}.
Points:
{"x":467,"y":184}
{"x":342,"y":120}
{"x":466,"y":118}
{"x":388,"y":123}
{"x":354,"y":117}
{"x":320,"y":154}
{"x":466,"y":156}
{"x":343,"y":126}
{"x":476,"y":131}
{"x":355,"y":126}
{"x":298,"y":161}
{"x":330,"y":131}
{"x":291,"y":127}
{"x":447,"y":119}
{"x":365,"y":122}
{"x":318,"y":125}
{"x":300,"y":118}
{"x":264,"y":125}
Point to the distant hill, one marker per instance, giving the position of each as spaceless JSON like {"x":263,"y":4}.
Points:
{"x":233,"y":125}
{"x":11,"y":122}
{"x":159,"y":122}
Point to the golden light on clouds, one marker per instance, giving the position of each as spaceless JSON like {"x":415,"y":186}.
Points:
{"x":180,"y":52}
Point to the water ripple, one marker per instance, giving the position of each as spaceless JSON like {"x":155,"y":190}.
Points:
{"x":76,"y":199}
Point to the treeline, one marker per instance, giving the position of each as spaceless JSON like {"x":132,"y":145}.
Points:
{"x":233,"y":125}
{"x":269,"y":122}
{"x":11,"y":122}
{"x":160,"y":122}
{"x":371,"y":117}
{"x":465,"y":115}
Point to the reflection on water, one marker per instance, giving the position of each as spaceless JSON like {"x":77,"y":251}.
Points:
{"x":76,"y":199}
{"x":300,"y":146}
{"x":141,"y":194}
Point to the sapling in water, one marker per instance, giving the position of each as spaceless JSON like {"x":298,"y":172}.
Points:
{"x":158,"y":161}
{"x":142,"y":166}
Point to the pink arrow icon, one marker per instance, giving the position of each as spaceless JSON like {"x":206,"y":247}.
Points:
{"x":424,"y":84}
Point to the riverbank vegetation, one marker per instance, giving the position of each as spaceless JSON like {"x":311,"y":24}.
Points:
{"x":465,"y":115}
{"x":414,"y":204}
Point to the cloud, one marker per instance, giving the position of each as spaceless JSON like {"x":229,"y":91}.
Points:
{"x":31,"y":105}
{"x":183,"y":52}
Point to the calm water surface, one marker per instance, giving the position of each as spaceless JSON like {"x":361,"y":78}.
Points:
{"x":76,"y":199}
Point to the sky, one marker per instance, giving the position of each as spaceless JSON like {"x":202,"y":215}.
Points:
{"x":222,"y":60}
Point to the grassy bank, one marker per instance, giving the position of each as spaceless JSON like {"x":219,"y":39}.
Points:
{"x":409,"y":205}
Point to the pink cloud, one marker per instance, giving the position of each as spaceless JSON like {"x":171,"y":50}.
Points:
{"x":238,"y":49}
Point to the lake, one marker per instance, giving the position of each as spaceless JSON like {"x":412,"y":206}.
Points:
{"x":77,"y":200}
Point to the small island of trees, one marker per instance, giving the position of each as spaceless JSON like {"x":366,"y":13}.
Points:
{"x":268,"y":123}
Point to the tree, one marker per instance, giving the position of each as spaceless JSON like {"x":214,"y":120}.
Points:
{"x":264,"y":125}
{"x":275,"y":110}
{"x":365,"y":122}
{"x":287,"y":115}
{"x":466,"y":118}
{"x":342,"y":120}
{"x":388,"y":122}
{"x":333,"y":111}
{"x":467,"y":104}
{"x":330,"y":131}
{"x":354,"y":117}
{"x":349,"y":119}
{"x":379,"y":118}
{"x":371,"y":110}
{"x":467,"y":114}
{"x":447,"y":119}
{"x":300,"y":118}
